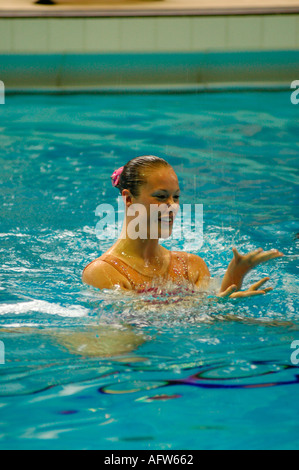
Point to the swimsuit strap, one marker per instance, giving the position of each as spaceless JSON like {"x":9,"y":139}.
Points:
{"x":136,"y":279}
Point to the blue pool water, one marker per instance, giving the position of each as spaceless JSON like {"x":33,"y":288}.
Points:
{"x":86,"y":369}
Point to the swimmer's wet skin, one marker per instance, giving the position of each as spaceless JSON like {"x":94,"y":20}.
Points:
{"x":133,"y":264}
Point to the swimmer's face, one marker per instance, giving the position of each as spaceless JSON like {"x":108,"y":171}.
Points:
{"x":160,"y":196}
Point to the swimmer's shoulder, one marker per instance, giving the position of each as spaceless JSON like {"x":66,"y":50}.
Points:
{"x":102,"y":275}
{"x":197,"y":268}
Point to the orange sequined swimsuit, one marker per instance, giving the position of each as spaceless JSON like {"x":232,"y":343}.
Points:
{"x":177,"y":272}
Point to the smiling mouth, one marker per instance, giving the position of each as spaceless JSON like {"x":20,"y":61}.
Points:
{"x":166,"y":220}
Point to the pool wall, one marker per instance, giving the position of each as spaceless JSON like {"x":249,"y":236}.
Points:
{"x":113,"y":52}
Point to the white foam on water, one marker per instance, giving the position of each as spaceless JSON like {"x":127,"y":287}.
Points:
{"x":40,"y":306}
{"x":19,"y":235}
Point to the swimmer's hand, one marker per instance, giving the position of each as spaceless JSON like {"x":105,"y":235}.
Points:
{"x":252,"y":291}
{"x":254,"y":258}
{"x":242,"y":265}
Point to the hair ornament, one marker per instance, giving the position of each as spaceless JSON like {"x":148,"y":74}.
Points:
{"x":116,"y":177}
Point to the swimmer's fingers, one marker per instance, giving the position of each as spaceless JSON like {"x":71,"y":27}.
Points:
{"x":237,"y":255}
{"x":268,"y":289}
{"x":228,"y":291}
{"x":258,"y":284}
{"x":264,"y":256}
{"x":248,"y":257}
{"x":250,"y":292}
{"x":256,"y":257}
{"x":243,"y":294}
{"x":254,"y":290}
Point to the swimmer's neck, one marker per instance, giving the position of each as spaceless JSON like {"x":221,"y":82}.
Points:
{"x":147,"y":250}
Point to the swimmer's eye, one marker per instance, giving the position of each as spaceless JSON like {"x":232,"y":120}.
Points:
{"x":164,"y":197}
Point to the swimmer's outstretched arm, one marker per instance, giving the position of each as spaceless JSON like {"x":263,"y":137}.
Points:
{"x":242,"y":265}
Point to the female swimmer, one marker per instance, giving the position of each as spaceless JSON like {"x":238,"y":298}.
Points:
{"x":151,"y":185}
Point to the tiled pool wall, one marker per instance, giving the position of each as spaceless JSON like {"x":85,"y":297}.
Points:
{"x":120,"y":51}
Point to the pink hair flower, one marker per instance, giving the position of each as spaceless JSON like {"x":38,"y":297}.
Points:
{"x":116,"y":177}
